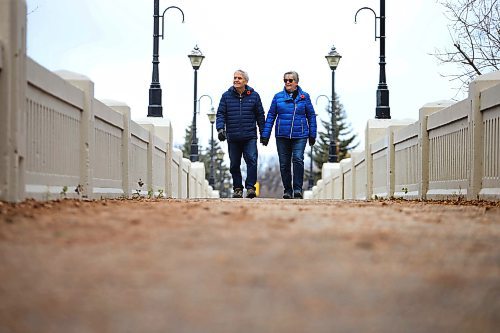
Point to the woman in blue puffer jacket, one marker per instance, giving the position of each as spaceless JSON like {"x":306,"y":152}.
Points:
{"x":295,"y":119}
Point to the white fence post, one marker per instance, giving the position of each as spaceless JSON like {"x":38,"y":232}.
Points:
{"x":375,"y":130}
{"x":476,"y":131}
{"x":165,"y":132}
{"x":391,"y":161}
{"x":12,"y":100}
{"x":126,"y":175}
{"x":151,"y":146}
{"x":490,"y":108}
{"x":187,"y":187}
{"x":87,"y":126}
{"x":423,"y":145}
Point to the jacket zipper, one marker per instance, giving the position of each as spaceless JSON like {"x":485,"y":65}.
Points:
{"x":293,"y":118}
{"x":241,"y":101}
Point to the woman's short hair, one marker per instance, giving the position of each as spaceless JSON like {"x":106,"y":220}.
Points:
{"x":294,"y":74}
{"x":243,"y":73}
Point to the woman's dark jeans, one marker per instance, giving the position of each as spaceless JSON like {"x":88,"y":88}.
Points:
{"x":247,"y":149}
{"x":291,"y":151}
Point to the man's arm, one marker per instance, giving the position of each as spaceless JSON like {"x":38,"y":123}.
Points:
{"x":220,"y":120}
{"x":261,"y":116}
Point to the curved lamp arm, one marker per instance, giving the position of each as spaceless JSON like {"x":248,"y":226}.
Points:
{"x":374,"y":14}
{"x":328,"y":98}
{"x":163,"y":19}
{"x":199,"y":102}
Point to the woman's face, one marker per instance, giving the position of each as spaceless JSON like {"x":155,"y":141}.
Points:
{"x":290,"y":83}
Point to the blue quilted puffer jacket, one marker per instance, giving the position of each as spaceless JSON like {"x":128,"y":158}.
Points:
{"x":295,"y":118}
{"x":238,"y":115}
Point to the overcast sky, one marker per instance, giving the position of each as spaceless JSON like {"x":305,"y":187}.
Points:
{"x":111,"y":43}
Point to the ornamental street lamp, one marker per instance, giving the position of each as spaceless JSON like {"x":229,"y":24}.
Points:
{"x":155,"y":109}
{"x":211,"y":117}
{"x":382,"y":110}
{"x":333,"y":58}
{"x":196,"y":58}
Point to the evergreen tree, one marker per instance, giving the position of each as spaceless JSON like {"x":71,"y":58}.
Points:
{"x":344,"y":139}
{"x":186,"y":147}
{"x":205,"y":157}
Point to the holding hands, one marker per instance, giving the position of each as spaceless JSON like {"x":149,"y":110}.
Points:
{"x":264,"y":141}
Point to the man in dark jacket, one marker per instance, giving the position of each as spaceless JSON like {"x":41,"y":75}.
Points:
{"x":240,"y":109}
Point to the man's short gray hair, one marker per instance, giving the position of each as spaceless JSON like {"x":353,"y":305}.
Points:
{"x":243,"y":73}
{"x":294,"y":74}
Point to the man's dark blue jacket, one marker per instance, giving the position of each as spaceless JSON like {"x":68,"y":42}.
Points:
{"x":238,"y":114}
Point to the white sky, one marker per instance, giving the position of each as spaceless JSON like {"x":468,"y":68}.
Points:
{"x":111,"y":43}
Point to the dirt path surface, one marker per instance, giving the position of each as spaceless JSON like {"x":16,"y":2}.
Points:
{"x":262,"y":265}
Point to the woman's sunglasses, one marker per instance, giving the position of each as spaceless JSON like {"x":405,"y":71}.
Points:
{"x":288,"y":80}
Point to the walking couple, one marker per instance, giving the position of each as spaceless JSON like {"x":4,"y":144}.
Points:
{"x":240,"y":110}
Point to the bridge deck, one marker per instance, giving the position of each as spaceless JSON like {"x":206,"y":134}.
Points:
{"x":262,"y":265}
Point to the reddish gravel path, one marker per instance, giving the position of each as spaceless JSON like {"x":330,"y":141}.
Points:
{"x":261,"y":265}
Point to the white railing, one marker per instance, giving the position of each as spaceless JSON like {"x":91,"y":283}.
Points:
{"x":359,"y":181}
{"x":448,"y":150}
{"x":406,"y":166}
{"x":57,"y":140}
{"x":452,"y":151}
{"x":490,"y":108}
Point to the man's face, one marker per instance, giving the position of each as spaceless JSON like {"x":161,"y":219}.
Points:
{"x":239,"y":81}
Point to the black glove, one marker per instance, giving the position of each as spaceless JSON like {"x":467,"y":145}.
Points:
{"x":222,"y":135}
{"x":264,"y":141}
{"x":312,"y":141}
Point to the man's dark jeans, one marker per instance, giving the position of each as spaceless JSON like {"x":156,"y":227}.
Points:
{"x":248,"y":149}
{"x":291,"y":151}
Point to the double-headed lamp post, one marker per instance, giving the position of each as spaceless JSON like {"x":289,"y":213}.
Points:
{"x":211,"y":117}
{"x":196,"y":58}
{"x":333,"y":58}
{"x":382,"y":111}
{"x":155,"y":109}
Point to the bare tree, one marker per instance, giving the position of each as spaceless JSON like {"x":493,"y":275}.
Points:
{"x":474,"y":30}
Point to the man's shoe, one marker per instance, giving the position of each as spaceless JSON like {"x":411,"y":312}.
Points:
{"x":238,"y":193}
{"x":287,"y":196}
{"x":297,"y":195}
{"x":251,"y":193}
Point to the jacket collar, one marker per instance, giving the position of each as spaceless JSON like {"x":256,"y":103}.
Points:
{"x":287,"y":95}
{"x":248,"y":90}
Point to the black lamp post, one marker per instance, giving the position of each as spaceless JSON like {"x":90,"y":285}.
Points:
{"x":196,"y":58}
{"x":333,"y":59}
{"x":382,"y":110}
{"x":155,"y":109}
{"x":211,"y":117}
